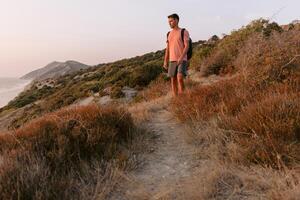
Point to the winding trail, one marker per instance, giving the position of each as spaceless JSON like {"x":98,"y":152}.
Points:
{"x":171,"y":157}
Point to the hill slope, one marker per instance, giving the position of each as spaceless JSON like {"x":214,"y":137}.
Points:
{"x":55,"y":69}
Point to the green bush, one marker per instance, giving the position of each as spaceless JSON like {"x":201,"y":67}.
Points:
{"x":200,"y":53}
{"x":143,"y":75}
{"x":267,"y":31}
{"x":227,"y":49}
{"x":30,"y":96}
{"x":116,"y":92}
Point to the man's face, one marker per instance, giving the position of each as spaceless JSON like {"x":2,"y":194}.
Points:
{"x":173,"y":22}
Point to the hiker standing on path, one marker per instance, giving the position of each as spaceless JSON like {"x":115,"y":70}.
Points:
{"x":176,"y":59}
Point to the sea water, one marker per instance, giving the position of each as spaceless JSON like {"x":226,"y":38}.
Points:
{"x":10,"y":88}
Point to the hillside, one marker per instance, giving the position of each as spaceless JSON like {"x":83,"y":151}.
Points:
{"x":105,"y":80}
{"x":55,"y":69}
{"x":234,"y":134}
{"x":124,"y":78}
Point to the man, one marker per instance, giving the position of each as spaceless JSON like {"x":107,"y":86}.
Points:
{"x":175,"y":61}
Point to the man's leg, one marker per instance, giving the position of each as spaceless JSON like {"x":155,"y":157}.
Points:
{"x":182,"y":73}
{"x":174,"y":86}
{"x":172,"y":72}
{"x":180,"y":83}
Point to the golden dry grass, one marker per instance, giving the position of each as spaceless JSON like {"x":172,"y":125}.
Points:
{"x":260,"y":107}
{"x":74,"y":153}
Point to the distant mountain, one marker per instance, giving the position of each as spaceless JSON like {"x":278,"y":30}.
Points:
{"x":296,"y":22}
{"x":55,"y":69}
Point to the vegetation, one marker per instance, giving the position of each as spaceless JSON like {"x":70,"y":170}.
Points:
{"x":260,"y":105}
{"x":30,"y":96}
{"x":157,"y":88}
{"x":135,"y":72}
{"x":220,"y":59}
{"x":69,"y":154}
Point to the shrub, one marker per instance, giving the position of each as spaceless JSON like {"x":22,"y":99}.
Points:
{"x":268,"y":130}
{"x":270,"y":60}
{"x":143,"y":75}
{"x":46,"y":157}
{"x":271,"y":27}
{"x":204,"y":102}
{"x":228,"y":48}
{"x":264,"y":121}
{"x":30,"y":96}
{"x":116,"y":92}
{"x":71,"y":134}
{"x":200,"y":53}
{"x":157,"y":88}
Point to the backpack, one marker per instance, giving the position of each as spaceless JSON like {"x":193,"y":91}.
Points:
{"x":190,"y":50}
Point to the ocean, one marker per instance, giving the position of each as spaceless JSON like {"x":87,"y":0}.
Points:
{"x":10,"y":88}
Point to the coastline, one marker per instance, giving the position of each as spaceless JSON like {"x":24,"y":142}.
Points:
{"x":6,"y":95}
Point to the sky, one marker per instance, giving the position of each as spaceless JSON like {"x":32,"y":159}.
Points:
{"x":34,"y":33}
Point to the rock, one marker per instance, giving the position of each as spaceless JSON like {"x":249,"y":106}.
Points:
{"x":130,"y":93}
{"x":104,"y":100}
{"x":85,"y":101}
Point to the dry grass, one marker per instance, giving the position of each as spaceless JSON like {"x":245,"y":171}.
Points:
{"x":270,"y":60}
{"x":221,"y":177}
{"x":157,"y":88}
{"x":203,"y":102}
{"x":269,"y":129}
{"x":260,"y":108}
{"x":220,"y":60}
{"x":218,"y":182}
{"x":73,"y":153}
{"x":265,"y":123}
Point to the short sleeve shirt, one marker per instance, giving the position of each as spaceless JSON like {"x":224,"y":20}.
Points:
{"x":176,"y":45}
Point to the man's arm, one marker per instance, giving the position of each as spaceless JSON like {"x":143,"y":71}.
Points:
{"x":166,"y":57}
{"x":186,"y":46}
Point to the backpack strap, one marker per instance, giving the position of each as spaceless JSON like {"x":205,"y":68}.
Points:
{"x":182,"y":34}
{"x":168,"y":36}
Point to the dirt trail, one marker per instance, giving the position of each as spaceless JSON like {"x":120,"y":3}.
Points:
{"x":171,"y":157}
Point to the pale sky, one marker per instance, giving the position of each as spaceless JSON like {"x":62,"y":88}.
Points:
{"x":36,"y":32}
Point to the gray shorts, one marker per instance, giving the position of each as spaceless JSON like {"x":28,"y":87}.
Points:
{"x":173,"y":68}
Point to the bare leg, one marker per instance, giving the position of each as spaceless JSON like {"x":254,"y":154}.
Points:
{"x":174,"y":85}
{"x":180,"y":83}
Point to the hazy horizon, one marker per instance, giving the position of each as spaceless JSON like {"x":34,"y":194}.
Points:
{"x":35,"y":33}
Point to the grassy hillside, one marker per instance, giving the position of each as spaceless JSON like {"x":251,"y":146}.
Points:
{"x":135,"y":72}
{"x":69,"y":154}
{"x":259,"y":108}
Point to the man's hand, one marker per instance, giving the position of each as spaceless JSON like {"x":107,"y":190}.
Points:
{"x":179,"y":61}
{"x":165,"y":66}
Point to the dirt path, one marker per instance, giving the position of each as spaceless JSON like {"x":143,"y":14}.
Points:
{"x":170,"y":157}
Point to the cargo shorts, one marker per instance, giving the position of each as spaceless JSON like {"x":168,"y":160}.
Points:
{"x":173,"y":68}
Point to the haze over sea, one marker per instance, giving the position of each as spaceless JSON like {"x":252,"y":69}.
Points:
{"x":10,"y":88}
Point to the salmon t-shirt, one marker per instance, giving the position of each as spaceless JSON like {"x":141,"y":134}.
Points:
{"x":176,"y":45}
